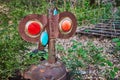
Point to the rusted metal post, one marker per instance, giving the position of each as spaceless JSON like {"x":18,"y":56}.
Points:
{"x":53,"y":31}
{"x":51,"y":51}
{"x":40,"y":47}
{"x":53,"y":24}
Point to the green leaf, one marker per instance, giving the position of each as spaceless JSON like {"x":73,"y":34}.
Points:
{"x":118,"y":43}
{"x":82,"y":52}
{"x":112,"y":74}
{"x":109,"y":63}
{"x":74,"y":46}
{"x":86,"y":30}
{"x":84,"y":55}
{"x":70,"y":50}
{"x":116,"y":69}
{"x":102,"y":64}
{"x":115,"y":40}
{"x":46,"y":56}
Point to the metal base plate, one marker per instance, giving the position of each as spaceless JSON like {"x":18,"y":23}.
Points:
{"x":47,"y":71}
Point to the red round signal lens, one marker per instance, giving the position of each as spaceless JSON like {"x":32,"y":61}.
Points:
{"x":66,"y":26}
{"x":34,"y":28}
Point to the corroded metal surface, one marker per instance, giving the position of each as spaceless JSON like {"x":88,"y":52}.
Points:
{"x":74,"y":24}
{"x":51,"y":69}
{"x":53,"y":34}
{"x":47,"y":71}
{"x":51,"y":50}
{"x":53,"y":26}
{"x":22,"y":25}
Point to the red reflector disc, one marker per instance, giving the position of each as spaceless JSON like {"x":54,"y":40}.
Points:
{"x":34,"y":28}
{"x":66,"y":26}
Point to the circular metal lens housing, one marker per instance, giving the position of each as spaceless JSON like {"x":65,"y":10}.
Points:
{"x":33,"y":28}
{"x":65,"y":25}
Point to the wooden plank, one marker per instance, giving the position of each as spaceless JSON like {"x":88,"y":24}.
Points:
{"x":109,"y":27}
{"x":105,"y":29}
{"x":102,"y":32}
{"x":97,"y":34}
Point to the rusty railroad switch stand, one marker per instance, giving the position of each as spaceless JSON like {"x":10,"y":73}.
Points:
{"x":44,"y":30}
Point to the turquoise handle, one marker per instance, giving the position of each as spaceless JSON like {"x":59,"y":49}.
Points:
{"x":44,"y":38}
{"x":55,"y":12}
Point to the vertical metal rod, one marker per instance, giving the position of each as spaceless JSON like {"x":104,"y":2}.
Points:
{"x":51,"y":44}
{"x":51,"y":51}
{"x":40,"y":47}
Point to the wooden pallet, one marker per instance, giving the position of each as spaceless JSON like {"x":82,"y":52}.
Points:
{"x":102,"y":29}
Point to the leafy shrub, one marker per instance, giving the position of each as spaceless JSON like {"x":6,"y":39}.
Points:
{"x":80,"y":57}
{"x":87,"y":14}
{"x":13,"y":50}
{"x":116,"y":49}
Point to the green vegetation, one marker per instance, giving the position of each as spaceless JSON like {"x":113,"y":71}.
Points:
{"x":81,"y":57}
{"x":14,"y":51}
{"x":116,"y":51}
